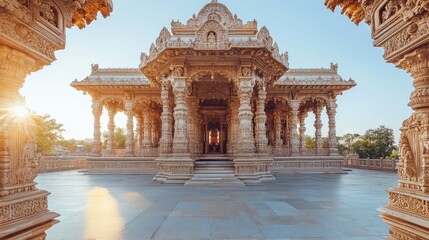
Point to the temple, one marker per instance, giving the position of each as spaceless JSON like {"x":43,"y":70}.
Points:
{"x":215,"y":90}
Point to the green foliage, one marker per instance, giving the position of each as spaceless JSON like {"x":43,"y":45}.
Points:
{"x":375,"y":143}
{"x":394,"y":154}
{"x":310,"y":142}
{"x":47,"y":132}
{"x":120,"y":138}
{"x":73,"y":145}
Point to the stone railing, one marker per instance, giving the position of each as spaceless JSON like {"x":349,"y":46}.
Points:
{"x":61,"y":163}
{"x":374,"y":164}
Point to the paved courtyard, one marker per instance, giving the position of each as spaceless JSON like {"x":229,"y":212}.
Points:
{"x":306,"y":206}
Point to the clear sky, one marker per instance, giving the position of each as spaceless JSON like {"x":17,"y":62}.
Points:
{"x":312,"y":34}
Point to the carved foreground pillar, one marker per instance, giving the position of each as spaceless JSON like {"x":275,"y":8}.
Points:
{"x":110,"y":147}
{"x":97,"y":110}
{"x":30,"y":32}
{"x":294,"y":105}
{"x":402,"y":28}
{"x":332,"y":134}
{"x":408,"y":203}
{"x":23,"y":208}
{"x":260,"y":119}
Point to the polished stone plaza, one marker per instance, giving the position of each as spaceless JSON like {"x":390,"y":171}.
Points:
{"x":296,"y":206}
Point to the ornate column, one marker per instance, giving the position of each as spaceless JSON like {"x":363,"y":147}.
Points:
{"x":139,"y":129}
{"x":401,"y":27}
{"x":318,"y":126}
{"x":260,"y":119}
{"x":30,"y":32}
{"x":333,"y":144}
{"x":153,"y":130}
{"x":192,"y":117}
{"x":110,"y":147}
{"x":245,"y":115}
{"x":24,"y":208}
{"x":166,"y":119}
{"x":97,"y":110}
{"x":233,"y":125}
{"x":180,"y":140}
{"x":278,"y":131}
{"x":294,"y":105}
{"x":302,"y":145}
{"x":147,"y":135}
{"x":129,"y":143}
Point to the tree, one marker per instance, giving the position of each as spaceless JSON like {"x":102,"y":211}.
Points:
{"x":346,"y":142}
{"x":309,"y":141}
{"x":375,"y":143}
{"x":47,"y":132}
{"x":76,"y":146}
{"x":120,"y":138}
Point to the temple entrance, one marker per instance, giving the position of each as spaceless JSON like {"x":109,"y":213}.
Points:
{"x":215,"y":138}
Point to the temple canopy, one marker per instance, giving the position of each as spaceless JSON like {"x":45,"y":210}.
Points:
{"x":216,"y":87}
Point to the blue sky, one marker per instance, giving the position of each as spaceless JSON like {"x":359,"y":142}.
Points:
{"x":312,"y":34}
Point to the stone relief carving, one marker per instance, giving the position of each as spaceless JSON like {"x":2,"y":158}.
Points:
{"x":211,"y":36}
{"x":49,"y":13}
{"x":178,"y":71}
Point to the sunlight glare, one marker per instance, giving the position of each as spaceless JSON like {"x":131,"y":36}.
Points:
{"x":19,"y":111}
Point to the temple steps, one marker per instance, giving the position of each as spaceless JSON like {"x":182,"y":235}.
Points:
{"x":214,"y":173}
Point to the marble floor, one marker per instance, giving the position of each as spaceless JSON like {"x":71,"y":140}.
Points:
{"x":306,"y":206}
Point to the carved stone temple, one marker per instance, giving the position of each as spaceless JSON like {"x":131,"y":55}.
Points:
{"x":215,"y":88}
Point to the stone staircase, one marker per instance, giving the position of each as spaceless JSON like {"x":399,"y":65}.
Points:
{"x":214,"y":173}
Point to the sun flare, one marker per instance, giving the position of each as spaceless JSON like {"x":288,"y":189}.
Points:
{"x":19,"y":111}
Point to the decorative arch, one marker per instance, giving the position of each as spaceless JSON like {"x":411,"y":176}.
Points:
{"x":211,"y":26}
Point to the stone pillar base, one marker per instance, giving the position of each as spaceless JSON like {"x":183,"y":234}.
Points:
{"x":407,"y":213}
{"x":26,"y":215}
{"x":253,"y":168}
{"x":174,"y":168}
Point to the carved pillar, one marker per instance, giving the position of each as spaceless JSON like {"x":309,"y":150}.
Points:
{"x":192,"y":118}
{"x":153,"y":130}
{"x":318,"y":126}
{"x":167,"y":119}
{"x":294,"y":105}
{"x":278,"y":131}
{"x":129,"y":143}
{"x":23,"y":206}
{"x":147,"y":134}
{"x":97,"y":110}
{"x":332,"y":111}
{"x":301,"y":119}
{"x":245,"y":115}
{"x":233,"y":124}
{"x":260,"y":120}
{"x":139,"y":129}
{"x":229,"y":123}
{"x":180,"y":140}
{"x":110,"y":147}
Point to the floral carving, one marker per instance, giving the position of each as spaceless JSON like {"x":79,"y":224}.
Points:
{"x":178,"y":71}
